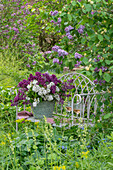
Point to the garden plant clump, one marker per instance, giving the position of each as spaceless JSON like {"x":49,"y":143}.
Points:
{"x":47,"y":36}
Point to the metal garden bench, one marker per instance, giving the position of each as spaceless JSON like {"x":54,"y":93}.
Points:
{"x":82,"y":104}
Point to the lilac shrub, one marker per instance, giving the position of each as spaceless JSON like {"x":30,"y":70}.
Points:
{"x":14,"y":34}
{"x":81,"y":29}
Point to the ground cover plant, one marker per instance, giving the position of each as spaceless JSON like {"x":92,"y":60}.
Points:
{"x":47,"y":36}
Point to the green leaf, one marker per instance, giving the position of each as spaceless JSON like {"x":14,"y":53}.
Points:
{"x":110,"y":163}
{"x":100,"y":37}
{"x":111,"y":68}
{"x":70,"y":65}
{"x":77,"y":26}
{"x":91,"y":68}
{"x":52,"y":156}
{"x":107,"y":38}
{"x":69,"y":17}
{"x":68,"y":1}
{"x":83,"y":40}
{"x":111,"y":45}
{"x":107,"y":77}
{"x":73,"y":3}
{"x":88,"y":7}
{"x":63,"y":13}
{"x":94,"y":48}
{"x":100,"y":72}
{"x":85,"y":60}
{"x":34,"y":147}
{"x":107,"y":116}
{"x":88,"y":73}
{"x":108,"y":62}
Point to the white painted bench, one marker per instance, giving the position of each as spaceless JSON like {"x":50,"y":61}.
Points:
{"x":80,"y":107}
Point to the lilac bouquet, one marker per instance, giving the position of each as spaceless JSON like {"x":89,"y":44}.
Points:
{"x":42,"y":87}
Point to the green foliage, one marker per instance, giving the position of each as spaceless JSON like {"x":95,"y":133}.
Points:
{"x":45,"y":147}
{"x":12,"y":69}
{"x":40,"y":146}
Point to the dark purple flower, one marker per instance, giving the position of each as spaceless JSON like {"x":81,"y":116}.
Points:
{"x":38,"y":74}
{"x":95,"y":81}
{"x":96,"y":69}
{"x":53,"y":89}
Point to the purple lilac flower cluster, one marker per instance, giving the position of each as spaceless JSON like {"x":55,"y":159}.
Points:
{"x":60,"y":51}
{"x":53,"y":13}
{"x":100,"y":82}
{"x":15,"y":26}
{"x":78,"y":64}
{"x":111,"y":99}
{"x":55,"y":60}
{"x":48,"y":84}
{"x":81,"y":29}
{"x":92,"y":12}
{"x":67,"y":30}
{"x":77,"y":55}
{"x":97,"y":59}
{"x":21,"y":96}
{"x":55,"y":48}
{"x":65,"y":87}
{"x":101,"y":68}
{"x":34,"y":62}
{"x":47,"y":52}
{"x":58,"y":22}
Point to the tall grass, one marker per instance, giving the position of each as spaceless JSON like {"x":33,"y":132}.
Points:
{"x":40,"y":146}
{"x":12,"y":68}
